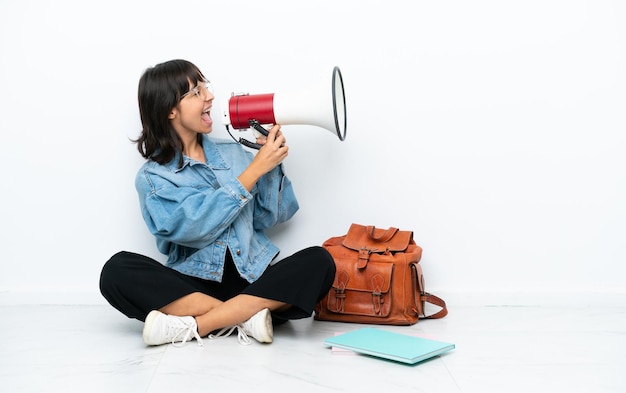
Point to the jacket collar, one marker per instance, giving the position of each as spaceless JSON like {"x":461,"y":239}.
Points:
{"x":214,"y":159}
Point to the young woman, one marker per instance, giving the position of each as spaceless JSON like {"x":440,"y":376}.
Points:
{"x":207,"y":201}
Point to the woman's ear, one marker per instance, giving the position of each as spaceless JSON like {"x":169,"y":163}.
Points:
{"x":173,"y":114}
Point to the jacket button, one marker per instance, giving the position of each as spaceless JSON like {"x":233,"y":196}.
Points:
{"x":238,"y":252}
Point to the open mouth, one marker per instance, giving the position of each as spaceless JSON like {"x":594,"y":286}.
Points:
{"x":206,"y":116}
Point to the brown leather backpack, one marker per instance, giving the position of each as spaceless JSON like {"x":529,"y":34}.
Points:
{"x":378,"y":280}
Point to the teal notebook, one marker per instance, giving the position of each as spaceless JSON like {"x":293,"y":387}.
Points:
{"x":389,"y":345}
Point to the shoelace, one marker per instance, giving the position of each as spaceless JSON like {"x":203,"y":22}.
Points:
{"x":242,"y":337}
{"x":176,"y":330}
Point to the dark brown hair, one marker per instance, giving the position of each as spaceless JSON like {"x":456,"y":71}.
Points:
{"x":160,"y":90}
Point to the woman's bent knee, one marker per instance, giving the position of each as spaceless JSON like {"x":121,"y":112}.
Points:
{"x":117,"y":267}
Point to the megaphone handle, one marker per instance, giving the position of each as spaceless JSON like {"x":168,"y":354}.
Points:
{"x":257,"y":126}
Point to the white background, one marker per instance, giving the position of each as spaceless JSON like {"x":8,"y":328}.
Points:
{"x":494,"y":130}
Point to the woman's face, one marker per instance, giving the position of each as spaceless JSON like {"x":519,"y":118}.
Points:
{"x":192,"y":115}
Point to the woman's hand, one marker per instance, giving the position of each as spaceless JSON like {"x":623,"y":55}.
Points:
{"x":273,"y":151}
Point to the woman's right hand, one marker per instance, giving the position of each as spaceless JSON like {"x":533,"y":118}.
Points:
{"x":270,"y":155}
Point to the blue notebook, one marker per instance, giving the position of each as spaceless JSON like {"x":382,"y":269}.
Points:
{"x":389,"y":345}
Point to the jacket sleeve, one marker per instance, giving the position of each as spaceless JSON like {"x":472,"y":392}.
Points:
{"x":186,"y":215}
{"x":275,"y":199}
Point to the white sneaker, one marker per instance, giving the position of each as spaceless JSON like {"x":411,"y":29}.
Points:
{"x":259,"y":326}
{"x":161,"y":328}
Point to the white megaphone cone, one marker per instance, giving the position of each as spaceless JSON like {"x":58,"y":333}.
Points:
{"x":322,"y":105}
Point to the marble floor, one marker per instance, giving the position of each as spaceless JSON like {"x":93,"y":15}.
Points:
{"x":498,"y":349}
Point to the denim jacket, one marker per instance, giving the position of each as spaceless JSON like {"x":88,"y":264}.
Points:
{"x":198,"y":211}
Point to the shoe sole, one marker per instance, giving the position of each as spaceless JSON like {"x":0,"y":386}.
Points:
{"x":268,"y":327}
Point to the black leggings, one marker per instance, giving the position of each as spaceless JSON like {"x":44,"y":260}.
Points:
{"x":135,"y":284}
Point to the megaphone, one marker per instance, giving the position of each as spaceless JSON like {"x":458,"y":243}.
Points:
{"x":322,"y":105}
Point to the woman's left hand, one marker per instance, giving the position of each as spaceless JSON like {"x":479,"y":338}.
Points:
{"x":270,"y":155}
